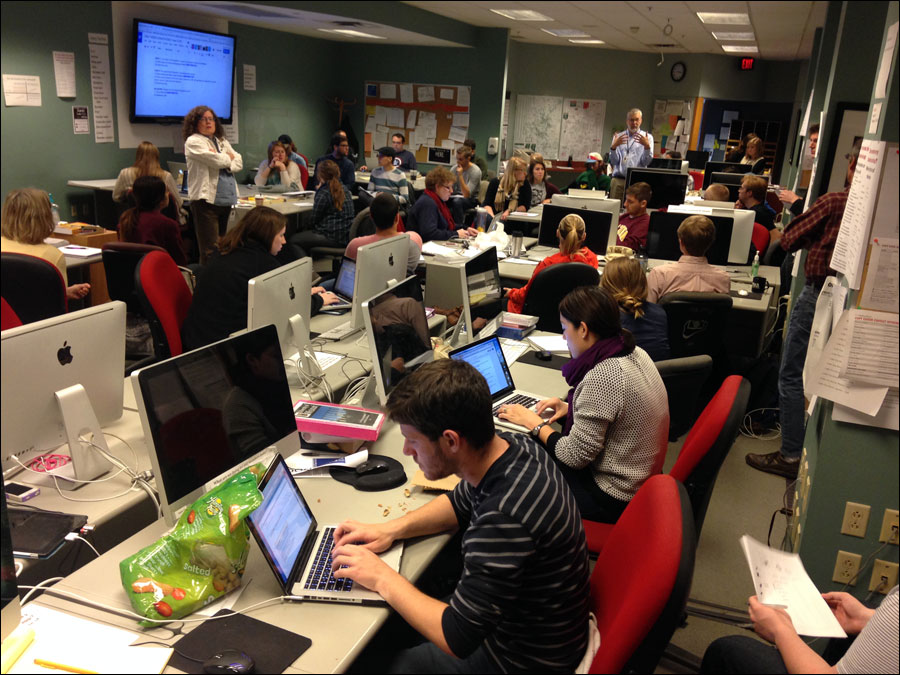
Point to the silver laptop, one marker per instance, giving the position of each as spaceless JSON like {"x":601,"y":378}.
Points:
{"x":343,"y":285}
{"x":297,"y":550}
{"x":487,"y":358}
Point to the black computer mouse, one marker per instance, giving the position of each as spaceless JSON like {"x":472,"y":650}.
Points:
{"x":372,"y":466}
{"x":229,"y":661}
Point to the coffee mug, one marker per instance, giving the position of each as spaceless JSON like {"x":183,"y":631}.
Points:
{"x":760,"y":284}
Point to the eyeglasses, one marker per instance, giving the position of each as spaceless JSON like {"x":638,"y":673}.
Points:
{"x":207,"y":118}
{"x":445,"y":187}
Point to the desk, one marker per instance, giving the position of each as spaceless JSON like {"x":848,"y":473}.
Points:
{"x":96,"y":272}
{"x":362,"y":178}
{"x":338,"y":632}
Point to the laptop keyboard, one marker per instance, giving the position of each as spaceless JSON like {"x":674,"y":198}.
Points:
{"x":521,"y":399}
{"x":320,"y":577}
{"x":339,"y":332}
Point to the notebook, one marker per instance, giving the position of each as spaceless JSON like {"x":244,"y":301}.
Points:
{"x":343,"y":285}
{"x":487,"y":357}
{"x":297,"y":550}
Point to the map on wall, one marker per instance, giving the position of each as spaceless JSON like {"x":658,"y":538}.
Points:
{"x":538,"y":123}
{"x":582,"y":128}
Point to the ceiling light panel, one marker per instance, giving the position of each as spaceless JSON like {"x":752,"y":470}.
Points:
{"x":734,"y":36}
{"x":724,"y":18}
{"x":566,"y":32}
{"x":521,"y":14}
{"x":740,"y":49}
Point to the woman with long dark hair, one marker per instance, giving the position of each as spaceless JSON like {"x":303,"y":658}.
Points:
{"x":145,"y":223}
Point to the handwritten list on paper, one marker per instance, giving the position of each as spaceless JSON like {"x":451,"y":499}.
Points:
{"x":22,"y":90}
{"x":101,"y":92}
{"x":64,"y":73}
{"x":871,"y":358}
{"x":852,"y":240}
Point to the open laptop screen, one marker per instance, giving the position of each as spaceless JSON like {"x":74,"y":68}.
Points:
{"x":486,"y":356}
{"x":343,"y":285}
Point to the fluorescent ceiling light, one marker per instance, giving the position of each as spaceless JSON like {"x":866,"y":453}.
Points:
{"x":521,"y":14}
{"x":566,"y":32}
{"x":734,"y":36}
{"x":724,"y":18}
{"x":352,"y":33}
{"x":740,"y":49}
{"x":588,"y":42}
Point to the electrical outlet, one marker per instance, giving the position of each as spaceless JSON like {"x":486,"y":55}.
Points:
{"x":856,"y":519}
{"x":846,"y":567}
{"x":890,"y":526}
{"x":883,"y":571}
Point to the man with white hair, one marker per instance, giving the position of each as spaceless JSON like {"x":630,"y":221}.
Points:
{"x":631,"y":147}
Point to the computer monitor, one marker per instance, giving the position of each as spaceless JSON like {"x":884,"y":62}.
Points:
{"x":697,"y":159}
{"x":598,"y":227}
{"x":281,"y":297}
{"x":712,"y":204}
{"x":397,"y":331}
{"x":732,"y":181}
{"x":741,"y":231}
{"x":377,"y":265}
{"x":665,"y":163}
{"x":611,"y":206}
{"x":62,"y":378}
{"x":10,"y":607}
{"x":212,"y":412}
{"x":585,"y":194}
{"x":669,"y":187}
{"x":722,"y":167}
{"x":662,"y":239}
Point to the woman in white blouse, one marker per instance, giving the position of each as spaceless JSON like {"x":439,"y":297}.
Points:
{"x":278,"y":172}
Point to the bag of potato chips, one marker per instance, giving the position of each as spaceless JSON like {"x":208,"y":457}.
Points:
{"x":199,"y":560}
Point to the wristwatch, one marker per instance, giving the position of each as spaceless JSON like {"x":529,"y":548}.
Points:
{"x":537,"y":430}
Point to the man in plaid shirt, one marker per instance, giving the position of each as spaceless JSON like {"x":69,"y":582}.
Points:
{"x":817,"y":231}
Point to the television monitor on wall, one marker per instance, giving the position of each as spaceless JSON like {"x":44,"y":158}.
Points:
{"x":175,"y":69}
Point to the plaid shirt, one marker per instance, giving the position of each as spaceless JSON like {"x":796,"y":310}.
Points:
{"x":817,"y":230}
{"x":330,"y":222}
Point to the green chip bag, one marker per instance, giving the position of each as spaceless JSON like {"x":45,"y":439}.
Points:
{"x":199,"y":560}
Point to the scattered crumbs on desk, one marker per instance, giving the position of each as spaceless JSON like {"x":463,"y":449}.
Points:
{"x":406,"y":492}
{"x":381,"y":506}
{"x":387,"y":512}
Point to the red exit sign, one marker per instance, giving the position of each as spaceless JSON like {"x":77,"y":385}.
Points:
{"x":747,"y":63}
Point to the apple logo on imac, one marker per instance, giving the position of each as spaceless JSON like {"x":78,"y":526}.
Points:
{"x":291,"y":292}
{"x":391,"y":260}
{"x":64,"y":354}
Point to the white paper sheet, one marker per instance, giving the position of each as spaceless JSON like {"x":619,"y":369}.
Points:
{"x":886,"y":222}
{"x":448,"y":144}
{"x":462,"y":96}
{"x":728,"y":116}
{"x":780,"y":579}
{"x":406,"y":93}
{"x":411,"y":120}
{"x":457,"y":134}
{"x":447,"y":94}
{"x":872,"y":356}
{"x":426,"y":94}
{"x":389,"y":91}
{"x":249,"y":77}
{"x":884,"y":68}
{"x":395,"y":117}
{"x":825,"y":379}
{"x":64,"y":73}
{"x":724,"y":132}
{"x":461,"y":120}
{"x":370,"y":124}
{"x":820,"y":330}
{"x":674,"y":107}
{"x":875,"y":118}
{"x":22,"y":90}
{"x":550,"y":343}
{"x":679,"y":128}
{"x":882,"y":285}
{"x":101,"y":92}
{"x":512,"y":349}
{"x":380,"y":114}
{"x":888,"y":416}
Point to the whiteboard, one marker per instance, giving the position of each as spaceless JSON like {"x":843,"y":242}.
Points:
{"x":538,"y":123}
{"x":582,"y":128}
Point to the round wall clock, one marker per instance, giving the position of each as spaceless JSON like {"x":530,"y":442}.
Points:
{"x":679,"y":70}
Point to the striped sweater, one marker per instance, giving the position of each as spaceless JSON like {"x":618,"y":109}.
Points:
{"x":393,"y":181}
{"x":524,"y":588}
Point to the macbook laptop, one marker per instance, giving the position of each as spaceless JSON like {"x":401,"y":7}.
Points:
{"x":487,"y":357}
{"x":343,"y":285}
{"x":297,"y":550}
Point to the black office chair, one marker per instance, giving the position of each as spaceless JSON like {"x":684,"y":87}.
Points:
{"x":33,"y":287}
{"x":696,"y":322}
{"x":684,"y":379}
{"x":362,"y":226}
{"x":120,"y":259}
{"x":550,"y":286}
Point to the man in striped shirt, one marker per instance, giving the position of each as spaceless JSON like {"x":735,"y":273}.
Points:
{"x":522,"y":602}
{"x":388,"y":178}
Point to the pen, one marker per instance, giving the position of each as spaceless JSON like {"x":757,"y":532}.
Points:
{"x":60,"y":666}
{"x":73,"y":246}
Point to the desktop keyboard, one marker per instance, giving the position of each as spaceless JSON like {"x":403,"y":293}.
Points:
{"x":320,"y":576}
{"x":339,"y":332}
{"x":521,"y":399}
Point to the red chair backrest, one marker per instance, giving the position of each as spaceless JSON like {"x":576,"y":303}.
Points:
{"x":33,"y":287}
{"x":304,"y":171}
{"x":640,"y":583}
{"x":760,"y":238}
{"x":8,"y":316}
{"x":165,"y":291}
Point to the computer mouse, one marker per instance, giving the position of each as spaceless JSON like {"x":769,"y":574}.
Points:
{"x":372,"y":466}
{"x":229,"y":661}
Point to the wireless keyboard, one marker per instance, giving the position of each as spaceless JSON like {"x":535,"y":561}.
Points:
{"x":339,"y":332}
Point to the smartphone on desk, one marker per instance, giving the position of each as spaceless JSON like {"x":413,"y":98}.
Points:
{"x":19,"y":492}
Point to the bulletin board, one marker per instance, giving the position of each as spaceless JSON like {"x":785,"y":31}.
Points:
{"x":559,"y":127}
{"x":429,"y":115}
{"x":673,"y":120}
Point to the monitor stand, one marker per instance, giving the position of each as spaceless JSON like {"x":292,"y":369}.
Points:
{"x":300,"y":339}
{"x":87,"y":462}
{"x":366,"y":396}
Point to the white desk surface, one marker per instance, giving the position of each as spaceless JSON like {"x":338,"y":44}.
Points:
{"x":338,"y":632}
{"x":104,"y":184}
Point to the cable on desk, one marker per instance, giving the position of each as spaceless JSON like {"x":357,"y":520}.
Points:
{"x":38,"y":586}
{"x":74,"y":535}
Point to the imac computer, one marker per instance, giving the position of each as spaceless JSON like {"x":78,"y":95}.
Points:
{"x":732,"y":181}
{"x":62,"y":380}
{"x":741,"y":231}
{"x":585,"y":194}
{"x":732,"y":243}
{"x":722,"y":167}
{"x":281,"y":297}
{"x":377,"y":265}
{"x":697,"y":159}
{"x":681,"y":165}
{"x":669,"y":187}
{"x":209,"y":413}
{"x":397,"y":331}
{"x":599,"y":227}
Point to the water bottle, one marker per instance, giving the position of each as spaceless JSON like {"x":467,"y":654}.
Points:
{"x":754,"y":269}
{"x":515,"y":247}
{"x":55,"y":209}
{"x":641,"y":257}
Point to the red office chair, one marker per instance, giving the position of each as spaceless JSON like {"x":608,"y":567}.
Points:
{"x":165,"y":298}
{"x":701,"y":456}
{"x":304,"y":171}
{"x":760,"y":239}
{"x":641,"y":581}
{"x":33,"y":288}
{"x":8,"y":316}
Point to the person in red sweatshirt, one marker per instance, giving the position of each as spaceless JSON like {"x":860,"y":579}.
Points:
{"x":634,"y":223}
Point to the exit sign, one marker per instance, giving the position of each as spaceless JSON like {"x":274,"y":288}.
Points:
{"x":747,"y":63}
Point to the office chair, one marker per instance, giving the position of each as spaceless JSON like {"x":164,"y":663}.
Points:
{"x":165,"y":298}
{"x":696,"y":322}
{"x":760,"y":239}
{"x":8,"y":316}
{"x":33,"y":288}
{"x":362,"y":226}
{"x":550,"y":286}
{"x":641,"y":581}
{"x":120,"y":259}
{"x":684,"y":379}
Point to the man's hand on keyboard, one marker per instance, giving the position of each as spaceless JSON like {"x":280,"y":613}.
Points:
{"x":360,"y":564}
{"x":376,"y":538}
{"x":519,"y":414}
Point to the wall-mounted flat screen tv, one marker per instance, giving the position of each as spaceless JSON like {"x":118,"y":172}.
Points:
{"x":178,"y":68}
